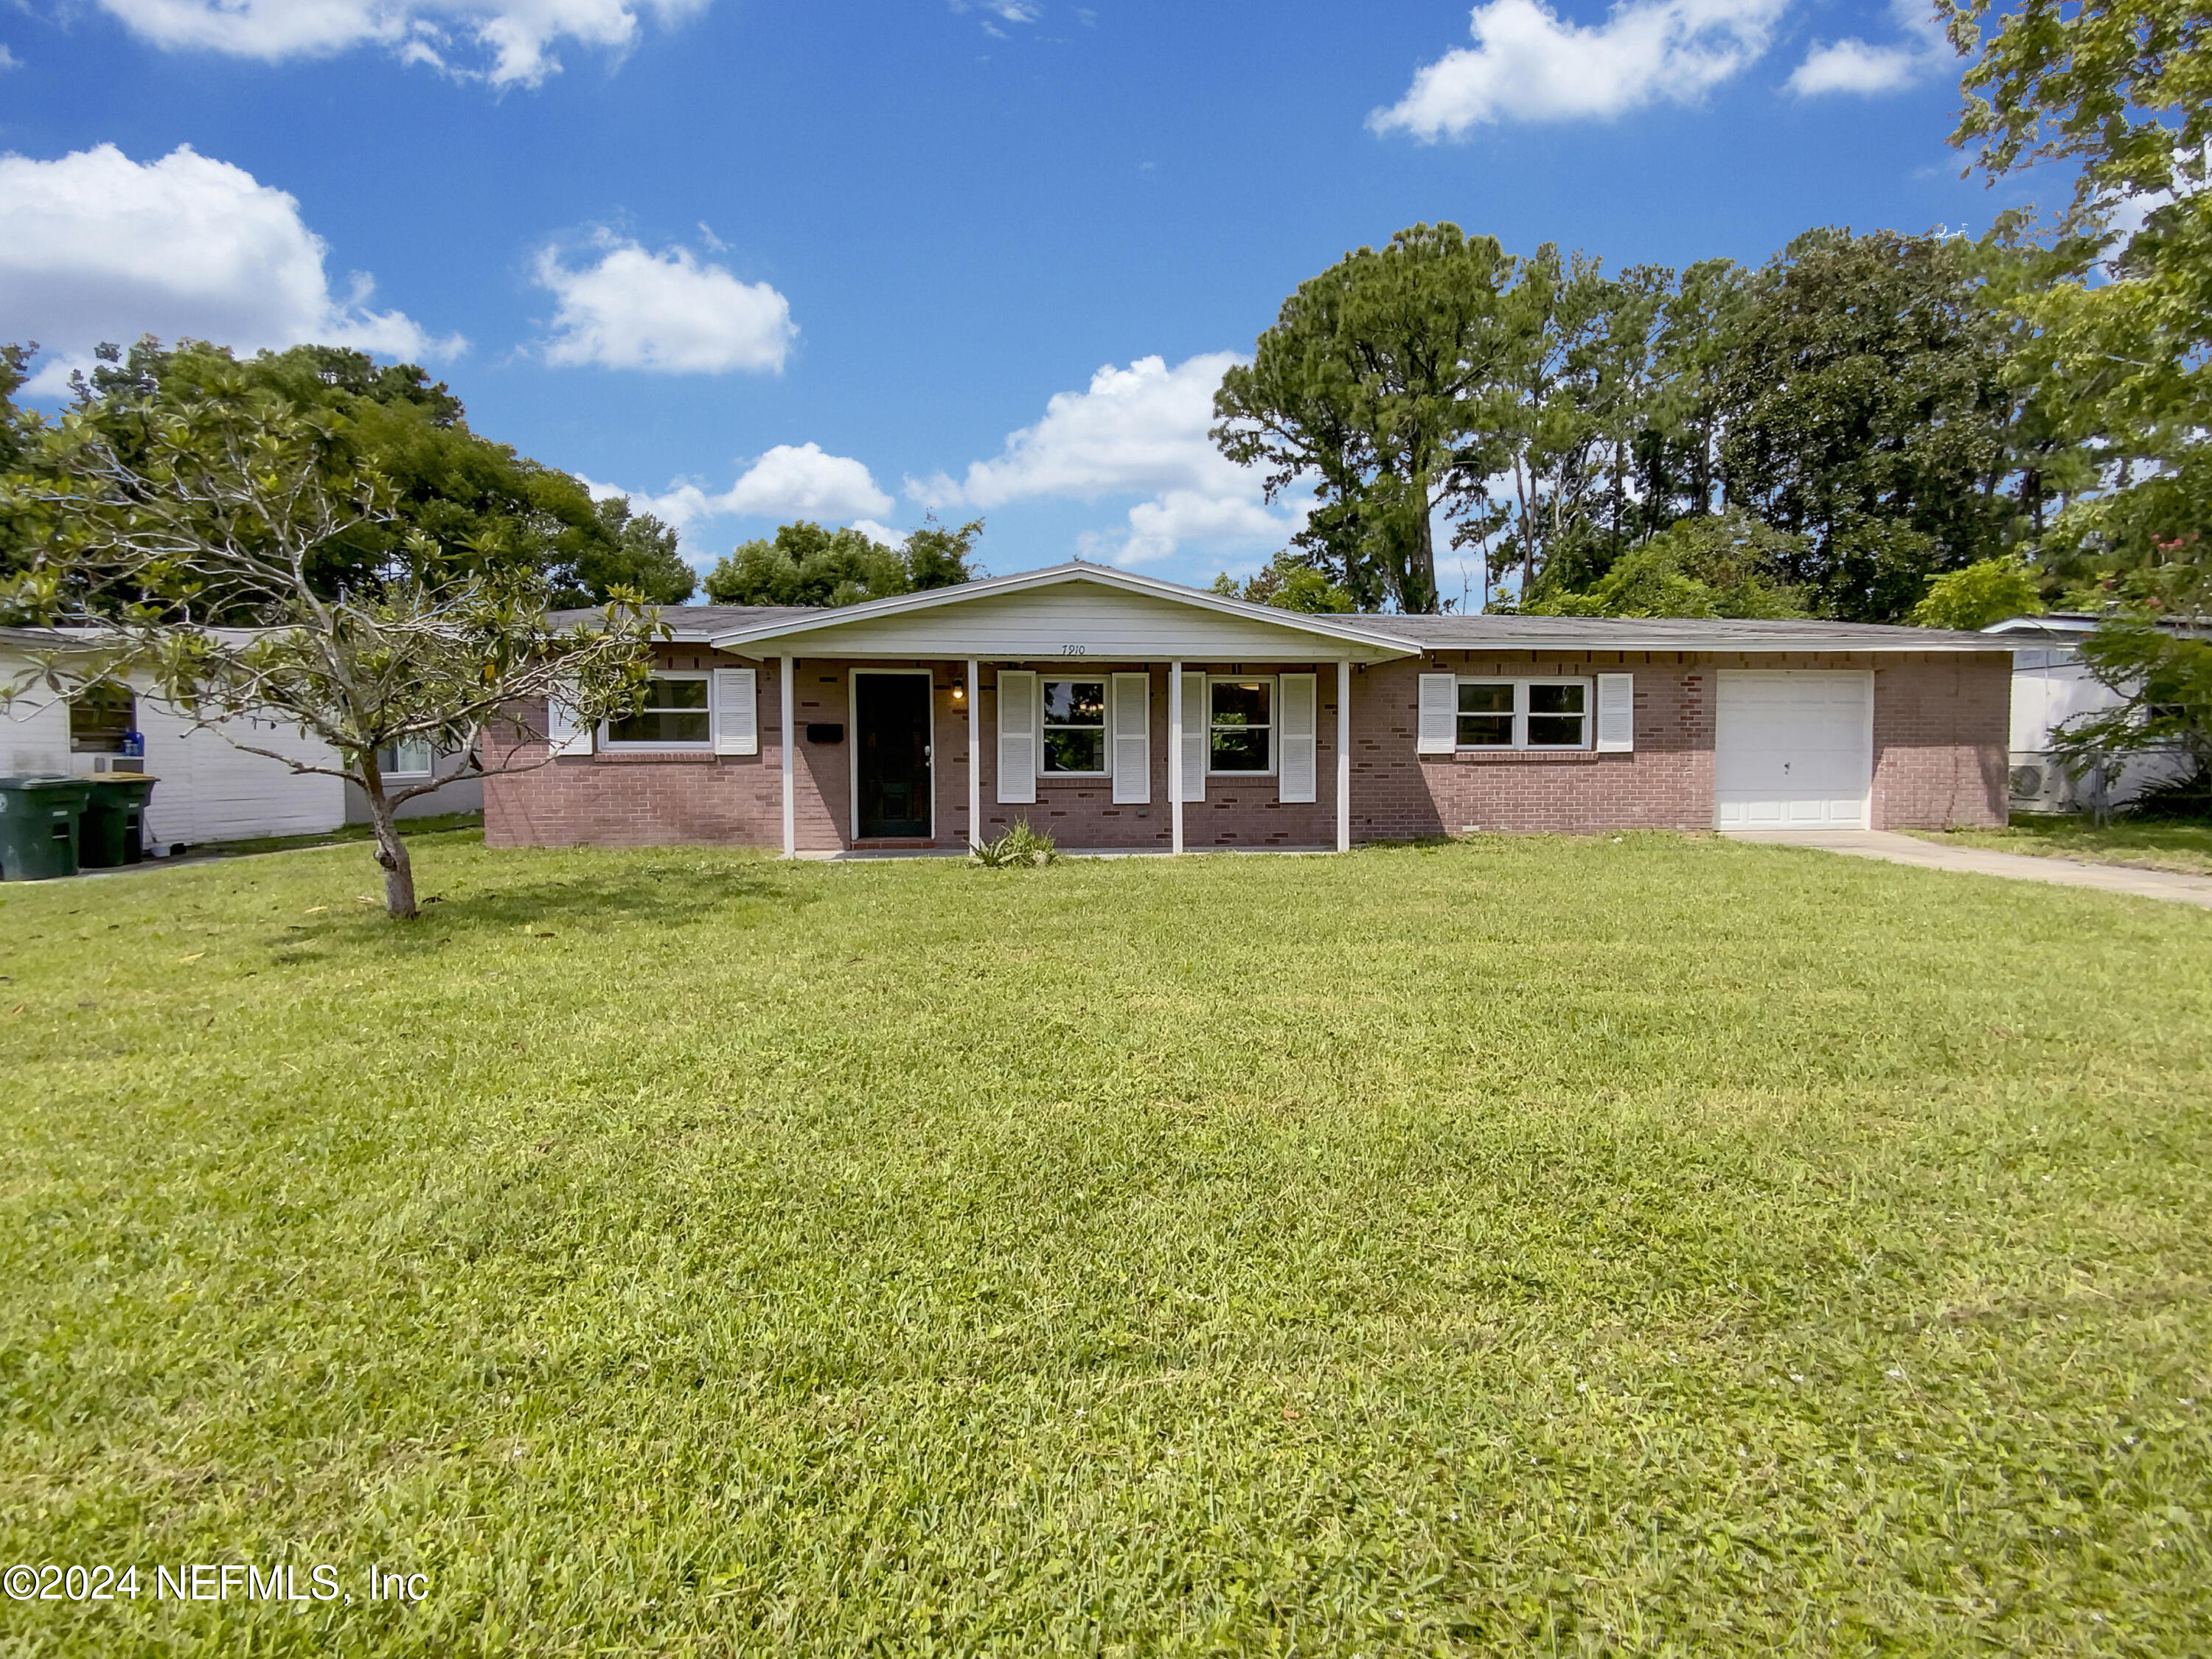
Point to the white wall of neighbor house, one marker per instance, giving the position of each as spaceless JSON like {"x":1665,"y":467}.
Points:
{"x":459,"y":794}
{"x":209,"y":790}
{"x":205,"y":788}
{"x":2050,"y":686}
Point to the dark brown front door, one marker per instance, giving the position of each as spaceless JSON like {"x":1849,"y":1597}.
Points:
{"x":890,"y":716}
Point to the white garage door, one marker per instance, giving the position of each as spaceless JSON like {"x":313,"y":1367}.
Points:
{"x":1793,"y":750}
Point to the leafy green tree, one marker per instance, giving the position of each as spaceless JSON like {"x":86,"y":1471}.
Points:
{"x":1866,"y":407}
{"x":805,"y":564}
{"x":1576,"y":391}
{"x":1380,"y":386}
{"x":155,"y":514}
{"x":1678,"y":443}
{"x":1289,"y":583}
{"x":1986,"y":591}
{"x":938,"y":557}
{"x":642,"y":559}
{"x":477,"y":504}
{"x":1725,"y":564}
{"x":2120,"y":93}
{"x":2160,"y":673}
{"x":17,"y":429}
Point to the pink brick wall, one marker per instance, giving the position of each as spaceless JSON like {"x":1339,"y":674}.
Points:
{"x":1237,"y":811}
{"x":645,"y":800}
{"x":1940,"y":728}
{"x":1942,"y":725}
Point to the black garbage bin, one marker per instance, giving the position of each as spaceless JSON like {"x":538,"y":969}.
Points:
{"x":38,"y":826}
{"x":112,"y":830}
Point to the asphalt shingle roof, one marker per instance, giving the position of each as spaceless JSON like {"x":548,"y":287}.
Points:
{"x":697,"y":623}
{"x":1479,"y":633}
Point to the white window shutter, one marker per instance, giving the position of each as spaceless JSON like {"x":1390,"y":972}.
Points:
{"x":1018,"y":737}
{"x":1197,"y":736}
{"x":1436,"y":732}
{"x":1616,"y":713}
{"x":1297,"y":750}
{"x":1132,"y":739}
{"x":737,"y":712}
{"x":564,"y":734}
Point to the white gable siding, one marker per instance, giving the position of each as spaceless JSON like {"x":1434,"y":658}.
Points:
{"x":1072,"y":619}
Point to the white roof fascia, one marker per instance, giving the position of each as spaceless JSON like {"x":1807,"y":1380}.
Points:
{"x":1052,"y":576}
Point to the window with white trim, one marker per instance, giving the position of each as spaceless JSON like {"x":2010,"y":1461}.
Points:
{"x":1073,"y":739}
{"x":407,"y":757}
{"x":674,"y":716}
{"x":1532,"y":714}
{"x":1240,"y":725}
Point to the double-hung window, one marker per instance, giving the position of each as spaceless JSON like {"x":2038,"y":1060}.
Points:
{"x":408,"y":757}
{"x":1075,"y":728}
{"x":1240,"y":725}
{"x":1523,"y":713}
{"x":101,"y":718}
{"x":675,"y":715}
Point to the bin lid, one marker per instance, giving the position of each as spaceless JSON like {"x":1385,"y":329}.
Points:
{"x":41,"y":782}
{"x":122,"y":782}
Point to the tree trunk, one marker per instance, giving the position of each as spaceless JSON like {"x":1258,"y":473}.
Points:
{"x":390,"y":850}
{"x":1424,"y":555}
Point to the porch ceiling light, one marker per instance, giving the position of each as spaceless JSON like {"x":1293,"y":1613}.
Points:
{"x":959,"y":690}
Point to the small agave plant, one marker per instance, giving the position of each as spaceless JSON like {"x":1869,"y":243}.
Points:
{"x":1020,"y":847}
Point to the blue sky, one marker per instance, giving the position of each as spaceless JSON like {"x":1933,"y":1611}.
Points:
{"x":759,"y":260}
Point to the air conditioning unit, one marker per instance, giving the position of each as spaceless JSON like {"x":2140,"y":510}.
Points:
{"x":2039,"y":784}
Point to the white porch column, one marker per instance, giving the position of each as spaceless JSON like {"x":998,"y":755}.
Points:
{"x":790,"y":742}
{"x":1343,"y":756}
{"x":974,"y":758}
{"x":1175,"y":754}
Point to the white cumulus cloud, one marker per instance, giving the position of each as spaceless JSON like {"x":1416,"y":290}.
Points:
{"x":803,"y":483}
{"x":1529,"y":64}
{"x":1008,"y":12}
{"x":1854,"y":66}
{"x":95,"y":247}
{"x":800,"y":481}
{"x":667,"y":313}
{"x":1139,"y":430}
{"x":506,"y":42}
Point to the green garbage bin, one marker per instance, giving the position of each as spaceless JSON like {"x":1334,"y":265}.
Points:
{"x":38,"y":826}
{"x":112,"y":830}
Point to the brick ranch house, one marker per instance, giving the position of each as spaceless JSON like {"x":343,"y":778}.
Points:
{"x":1118,"y":711}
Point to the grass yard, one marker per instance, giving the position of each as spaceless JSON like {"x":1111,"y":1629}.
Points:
{"x":1642,"y":1245}
{"x":2186,"y":848}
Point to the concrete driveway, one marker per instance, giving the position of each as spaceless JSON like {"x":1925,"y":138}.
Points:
{"x":1894,"y":848}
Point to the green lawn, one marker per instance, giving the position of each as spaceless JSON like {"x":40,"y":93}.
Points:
{"x":1644,"y":1245}
{"x":2184,"y":847}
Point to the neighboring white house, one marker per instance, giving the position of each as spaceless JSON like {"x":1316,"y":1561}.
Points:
{"x":207,"y":789}
{"x":2050,"y":685}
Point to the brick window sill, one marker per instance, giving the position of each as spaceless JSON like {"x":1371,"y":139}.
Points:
{"x":1523,"y":757}
{"x":654,"y":758}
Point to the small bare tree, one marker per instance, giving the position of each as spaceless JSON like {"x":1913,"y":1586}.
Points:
{"x":180,"y":541}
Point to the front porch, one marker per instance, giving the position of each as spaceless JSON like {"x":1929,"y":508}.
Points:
{"x":892,"y":757}
{"x":1118,"y":713}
